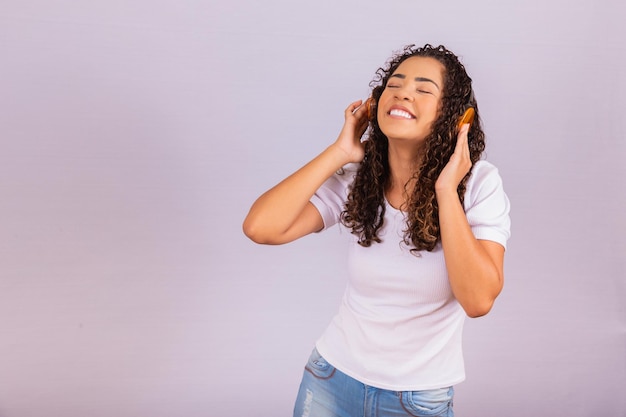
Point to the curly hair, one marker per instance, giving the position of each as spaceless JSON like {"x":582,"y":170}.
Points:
{"x":365,"y":206}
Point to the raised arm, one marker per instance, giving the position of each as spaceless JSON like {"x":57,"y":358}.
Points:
{"x":475,"y":267}
{"x":284,"y":213}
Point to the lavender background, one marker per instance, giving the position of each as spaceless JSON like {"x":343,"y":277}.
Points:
{"x":135,"y":135}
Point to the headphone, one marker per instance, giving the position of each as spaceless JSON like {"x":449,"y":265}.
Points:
{"x":469,"y":113}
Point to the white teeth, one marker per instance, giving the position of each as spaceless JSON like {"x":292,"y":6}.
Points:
{"x":400,"y":113}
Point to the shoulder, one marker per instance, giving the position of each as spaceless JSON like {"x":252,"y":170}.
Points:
{"x":484,"y":184}
{"x":484,"y":174}
{"x":486,"y":204}
{"x":350,"y":169}
{"x":345,"y":175}
{"x":483,"y":169}
{"x":330,"y":198}
{"x":336,"y":187}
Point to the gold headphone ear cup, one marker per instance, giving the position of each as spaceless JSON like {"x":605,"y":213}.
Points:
{"x":468,"y":117}
{"x":371,"y":107}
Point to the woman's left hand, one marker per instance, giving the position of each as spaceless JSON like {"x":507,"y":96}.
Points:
{"x":458,"y":166}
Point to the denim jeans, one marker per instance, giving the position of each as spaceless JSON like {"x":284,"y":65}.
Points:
{"x":327,"y":392}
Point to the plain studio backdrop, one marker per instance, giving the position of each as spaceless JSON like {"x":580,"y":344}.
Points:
{"x":136,"y":134}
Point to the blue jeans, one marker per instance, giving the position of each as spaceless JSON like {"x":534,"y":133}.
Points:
{"x":327,"y":392}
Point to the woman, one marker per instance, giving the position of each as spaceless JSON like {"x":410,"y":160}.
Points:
{"x":430,"y":222}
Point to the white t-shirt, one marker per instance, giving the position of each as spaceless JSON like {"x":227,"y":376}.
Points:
{"x":399,"y":326}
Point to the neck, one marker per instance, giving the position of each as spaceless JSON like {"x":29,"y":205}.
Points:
{"x":403,"y":163}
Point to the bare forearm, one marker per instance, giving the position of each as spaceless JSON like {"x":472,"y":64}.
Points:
{"x":475,"y":276}
{"x":277,"y":210}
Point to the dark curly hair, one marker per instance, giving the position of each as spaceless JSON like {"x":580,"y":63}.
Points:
{"x":365,"y":206}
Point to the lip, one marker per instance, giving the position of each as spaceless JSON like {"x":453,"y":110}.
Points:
{"x":402,"y":108}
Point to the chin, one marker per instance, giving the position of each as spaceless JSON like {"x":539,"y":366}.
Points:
{"x":403,"y":137}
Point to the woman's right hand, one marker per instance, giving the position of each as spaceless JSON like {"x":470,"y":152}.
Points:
{"x":355,"y":125}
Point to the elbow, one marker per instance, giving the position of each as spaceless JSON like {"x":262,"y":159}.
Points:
{"x":257,"y":234}
{"x":478,"y":309}
{"x":252,"y":232}
{"x":482,"y":304}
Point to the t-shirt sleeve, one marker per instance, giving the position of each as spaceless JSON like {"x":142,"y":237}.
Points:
{"x":487,"y":206}
{"x":330,"y":198}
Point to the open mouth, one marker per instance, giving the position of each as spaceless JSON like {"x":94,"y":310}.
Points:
{"x":401,"y":113}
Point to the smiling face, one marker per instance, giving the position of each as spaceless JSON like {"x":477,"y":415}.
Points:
{"x":410,"y":101}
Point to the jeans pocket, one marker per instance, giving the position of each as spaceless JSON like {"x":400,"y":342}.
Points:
{"x":428,"y":403}
{"x":318,"y":366}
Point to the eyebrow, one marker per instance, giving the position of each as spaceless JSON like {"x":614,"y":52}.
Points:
{"x":418,"y":79}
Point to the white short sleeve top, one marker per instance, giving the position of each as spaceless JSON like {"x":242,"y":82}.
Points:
{"x":399,"y":326}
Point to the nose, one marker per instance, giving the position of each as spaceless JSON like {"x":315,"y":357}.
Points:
{"x":403,"y":94}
